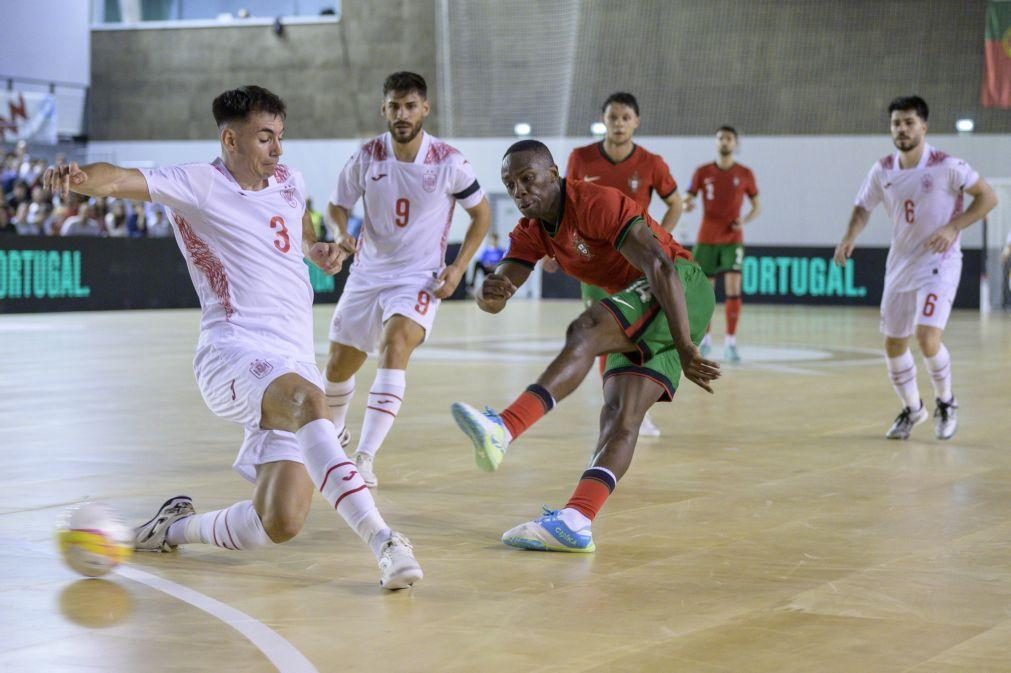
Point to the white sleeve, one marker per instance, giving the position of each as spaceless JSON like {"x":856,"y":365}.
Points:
{"x":870,"y":193}
{"x":463,"y":184}
{"x":962,"y":175}
{"x":181,"y":187}
{"x":349,"y":184}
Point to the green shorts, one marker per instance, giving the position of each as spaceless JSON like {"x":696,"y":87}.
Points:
{"x":715,"y":258}
{"x":645,"y":323}
{"x":592,"y":294}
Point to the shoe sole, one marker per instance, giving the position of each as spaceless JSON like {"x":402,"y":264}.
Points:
{"x":889,"y":435}
{"x":158,"y":514}
{"x":537,"y":545}
{"x":946,"y":438}
{"x":477,"y":437}
{"x":407,"y":578}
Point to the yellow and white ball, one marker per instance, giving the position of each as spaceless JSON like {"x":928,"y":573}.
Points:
{"x":93,"y":539}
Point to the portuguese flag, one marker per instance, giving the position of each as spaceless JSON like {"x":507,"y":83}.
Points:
{"x":997,"y":55}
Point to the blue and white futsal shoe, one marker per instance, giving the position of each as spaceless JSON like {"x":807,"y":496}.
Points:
{"x":550,"y":533}
{"x":486,"y":430}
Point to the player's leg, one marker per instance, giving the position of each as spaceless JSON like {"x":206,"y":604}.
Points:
{"x":626,"y":400}
{"x":897,"y":314}
{"x":343,"y":362}
{"x":294,"y":404}
{"x":354,"y":330}
{"x":706,"y":256}
{"x":934,"y":304}
{"x":733,"y":262}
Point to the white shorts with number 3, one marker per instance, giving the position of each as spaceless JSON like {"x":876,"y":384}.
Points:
{"x":367,"y":303}
{"x":930,"y":305}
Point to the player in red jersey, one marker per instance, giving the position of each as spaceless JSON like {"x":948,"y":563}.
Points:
{"x":659,"y":306}
{"x":720,"y":246}
{"x":618,"y":162}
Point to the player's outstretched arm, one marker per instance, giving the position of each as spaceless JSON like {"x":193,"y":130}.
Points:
{"x":480,"y":222}
{"x":499,"y":287}
{"x":641,"y":249}
{"x":329,"y":257}
{"x":858,"y":220}
{"x":983,"y":201}
{"x":99,"y":179}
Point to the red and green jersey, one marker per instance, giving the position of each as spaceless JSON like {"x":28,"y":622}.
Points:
{"x":586,"y":239}
{"x":722,"y":196}
{"x":997,"y":55}
{"x":637,"y":176}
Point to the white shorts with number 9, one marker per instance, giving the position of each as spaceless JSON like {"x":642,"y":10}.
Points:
{"x":930,"y":305}
{"x":367,"y":303}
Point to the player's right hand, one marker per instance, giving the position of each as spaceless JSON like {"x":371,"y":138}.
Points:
{"x":347,"y":242}
{"x":61,"y":179}
{"x":697,"y":369}
{"x":844,"y":251}
{"x":689,"y":205}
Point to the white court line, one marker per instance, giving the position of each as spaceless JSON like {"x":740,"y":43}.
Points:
{"x":285,"y":657}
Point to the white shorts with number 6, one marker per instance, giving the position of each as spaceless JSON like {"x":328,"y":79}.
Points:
{"x":930,"y":305}
{"x":367,"y":303}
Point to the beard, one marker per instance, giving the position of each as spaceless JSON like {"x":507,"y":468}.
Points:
{"x":725,"y":151}
{"x":398,"y":133}
{"x":906,"y":144}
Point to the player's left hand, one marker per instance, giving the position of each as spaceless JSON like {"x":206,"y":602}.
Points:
{"x":329,"y":257}
{"x":942,"y":238}
{"x":697,"y":369}
{"x":448,"y":280}
{"x":737,"y":225}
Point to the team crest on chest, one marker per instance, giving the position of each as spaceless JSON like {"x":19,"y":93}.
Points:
{"x":633,"y":182}
{"x":289,"y":196}
{"x":927,"y":182}
{"x":430,"y":180}
{"x":581,"y":247}
{"x":737,"y":181}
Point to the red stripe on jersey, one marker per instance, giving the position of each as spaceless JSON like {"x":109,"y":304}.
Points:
{"x":439,"y":152}
{"x":208,"y":262}
{"x":281,"y":173}
{"x":375,"y":148}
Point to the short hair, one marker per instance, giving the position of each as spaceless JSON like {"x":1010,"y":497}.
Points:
{"x":728,"y":129}
{"x":914,"y":103}
{"x":530,"y":145}
{"x":404,"y":82}
{"x":622,"y":98}
{"x":238,"y":104}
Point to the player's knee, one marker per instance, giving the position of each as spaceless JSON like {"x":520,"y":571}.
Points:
{"x":282,"y":525}
{"x":620,"y":421}
{"x":580,"y":333}
{"x":309,"y":404}
{"x":333,"y":371}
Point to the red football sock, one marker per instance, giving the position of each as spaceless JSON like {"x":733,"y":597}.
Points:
{"x":733,"y":309}
{"x":592,"y":491}
{"x":528,"y":408}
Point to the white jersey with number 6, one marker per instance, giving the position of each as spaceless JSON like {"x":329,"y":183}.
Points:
{"x":919,"y":201}
{"x":244,"y":253}
{"x":408,"y":205}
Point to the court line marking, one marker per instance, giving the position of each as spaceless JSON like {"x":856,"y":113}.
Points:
{"x":285,"y":657}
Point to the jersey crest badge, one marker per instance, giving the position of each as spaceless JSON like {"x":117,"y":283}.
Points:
{"x":429,"y":180}
{"x":927,"y":182}
{"x":581,"y":247}
{"x":260,"y":368}
{"x":289,"y":196}
{"x":737,"y":181}
{"x":633,"y":182}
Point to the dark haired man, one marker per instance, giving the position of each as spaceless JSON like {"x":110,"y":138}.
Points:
{"x":719,"y":248}
{"x":410,"y":182}
{"x":922,"y":189}
{"x":659,"y":305}
{"x":241,"y":224}
{"x":616,"y":161}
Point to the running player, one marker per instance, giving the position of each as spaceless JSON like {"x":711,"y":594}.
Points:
{"x":618,"y":162}
{"x":410,"y":182}
{"x":720,"y":245}
{"x":659,"y":306}
{"x":241,"y":224}
{"x":922,"y":189}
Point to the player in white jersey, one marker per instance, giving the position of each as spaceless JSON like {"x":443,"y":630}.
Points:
{"x":922,"y":189}
{"x":241,"y":224}
{"x":409,"y":182}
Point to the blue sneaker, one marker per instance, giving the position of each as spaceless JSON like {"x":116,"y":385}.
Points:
{"x":486,"y":430}
{"x":550,"y":533}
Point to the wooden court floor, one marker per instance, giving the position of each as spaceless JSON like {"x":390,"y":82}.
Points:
{"x":771,"y":528}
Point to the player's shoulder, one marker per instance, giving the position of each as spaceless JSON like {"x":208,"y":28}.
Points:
{"x":885,"y":163}
{"x":587,"y":152}
{"x":374,"y":149}
{"x":936,"y":157}
{"x":744,"y":170}
{"x":440,"y":152}
{"x":593,"y":198}
{"x":284,"y":173}
{"x":706,"y":168}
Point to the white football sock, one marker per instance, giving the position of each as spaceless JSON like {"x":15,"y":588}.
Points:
{"x":338,"y":398}
{"x":939,"y":367}
{"x":574,"y":519}
{"x":338,"y":480}
{"x":237,"y":527}
{"x":730,"y":340}
{"x":385,"y":398}
{"x":902,"y":371}
{"x":707,"y":340}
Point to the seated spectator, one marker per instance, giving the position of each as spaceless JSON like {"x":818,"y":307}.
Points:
{"x":85,"y":223}
{"x":488,"y":259}
{"x":54,"y":221}
{"x":136,"y":221}
{"x":18,"y":195}
{"x":115,"y":220}
{"x":159,"y":226}
{"x":8,"y":173}
{"x":6,"y":226}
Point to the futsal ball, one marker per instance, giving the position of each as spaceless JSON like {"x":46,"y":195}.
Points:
{"x":93,"y":540}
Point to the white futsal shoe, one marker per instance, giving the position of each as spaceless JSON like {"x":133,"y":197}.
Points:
{"x":905,"y":421}
{"x":398,"y":569}
{"x":946,"y":420}
{"x":363,"y":463}
{"x":151,"y":535}
{"x":648,"y":428}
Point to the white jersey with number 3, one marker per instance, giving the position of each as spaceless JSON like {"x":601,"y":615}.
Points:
{"x":919,"y":201}
{"x":408,"y":205}
{"x":244,"y":253}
